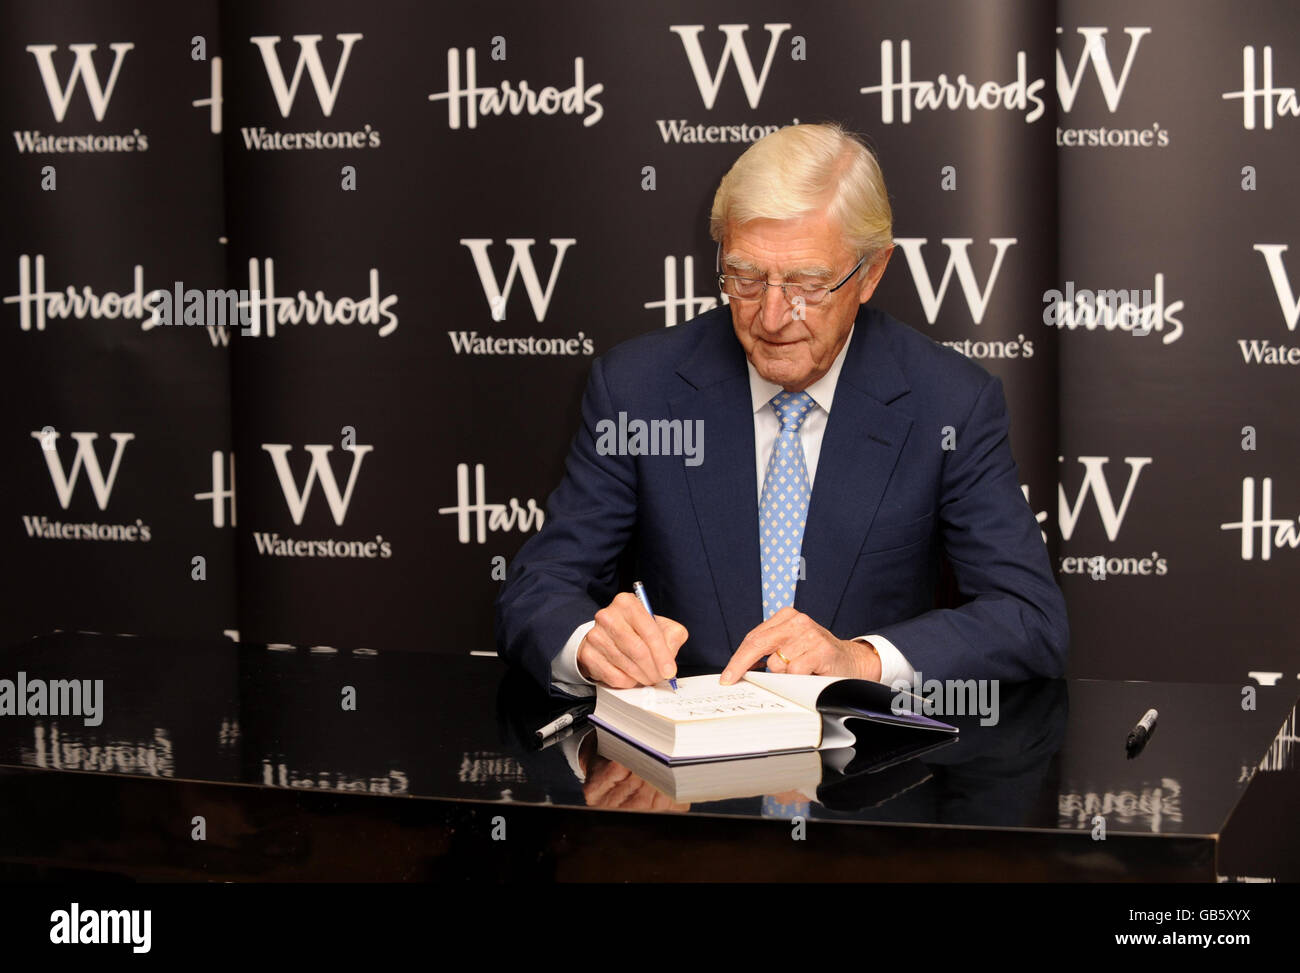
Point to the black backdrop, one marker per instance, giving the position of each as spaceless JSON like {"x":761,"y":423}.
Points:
{"x":485,"y":257}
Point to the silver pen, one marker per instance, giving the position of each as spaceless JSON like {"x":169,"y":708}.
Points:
{"x":638,"y":589}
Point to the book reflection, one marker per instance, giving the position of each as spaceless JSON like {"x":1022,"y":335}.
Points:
{"x":989,"y":775}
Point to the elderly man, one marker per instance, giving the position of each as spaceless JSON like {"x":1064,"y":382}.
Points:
{"x":843,"y":452}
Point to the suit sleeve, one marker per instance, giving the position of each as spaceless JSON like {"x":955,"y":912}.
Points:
{"x":568,"y":571}
{"x":1012,"y":623}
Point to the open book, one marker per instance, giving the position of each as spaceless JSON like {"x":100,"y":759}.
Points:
{"x":766,"y":712}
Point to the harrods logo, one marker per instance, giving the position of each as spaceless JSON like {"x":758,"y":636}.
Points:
{"x":1260,"y":97}
{"x":940,"y":93}
{"x":901,"y":94}
{"x":475,"y":511}
{"x":1138,"y":312}
{"x":1274,"y":532}
{"x":519,"y":98}
{"x":682,"y":297}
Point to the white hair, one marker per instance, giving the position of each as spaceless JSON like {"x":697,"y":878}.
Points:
{"x":803,"y":169}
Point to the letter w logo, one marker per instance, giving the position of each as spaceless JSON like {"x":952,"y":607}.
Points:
{"x":496,"y":295}
{"x":1094,"y":49}
{"x":733,"y":49}
{"x":958,"y":258}
{"x":64,"y":485}
{"x":326,"y":91}
{"x":83,"y":67}
{"x":320,"y":468}
{"x":1281,"y":282}
{"x":1094,"y":482}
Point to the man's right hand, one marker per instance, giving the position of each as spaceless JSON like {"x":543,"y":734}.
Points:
{"x":628,"y":648}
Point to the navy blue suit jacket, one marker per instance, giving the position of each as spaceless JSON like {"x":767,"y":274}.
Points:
{"x":887,"y":502}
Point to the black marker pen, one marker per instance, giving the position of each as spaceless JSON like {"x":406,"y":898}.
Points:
{"x":1140,"y":734}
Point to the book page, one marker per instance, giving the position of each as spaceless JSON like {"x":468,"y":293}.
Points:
{"x":704,"y":698}
{"x":801,"y":690}
{"x":807,"y":690}
{"x":835,"y":735}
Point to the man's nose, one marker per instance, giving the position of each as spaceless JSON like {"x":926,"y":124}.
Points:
{"x":775,"y":308}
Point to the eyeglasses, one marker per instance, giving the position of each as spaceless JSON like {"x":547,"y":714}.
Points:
{"x":755,"y":289}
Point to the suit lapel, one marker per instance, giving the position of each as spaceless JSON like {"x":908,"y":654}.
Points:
{"x":722,"y":487}
{"x":860,"y":449}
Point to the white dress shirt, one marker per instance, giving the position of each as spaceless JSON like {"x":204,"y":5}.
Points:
{"x":767,"y":427}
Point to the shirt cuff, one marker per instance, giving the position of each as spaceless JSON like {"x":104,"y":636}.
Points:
{"x":565,"y":675}
{"x":893,"y":666}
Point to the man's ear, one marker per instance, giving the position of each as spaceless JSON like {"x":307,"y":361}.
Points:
{"x":875,"y":271}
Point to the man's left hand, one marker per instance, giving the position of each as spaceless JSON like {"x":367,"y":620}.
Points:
{"x":794,"y":643}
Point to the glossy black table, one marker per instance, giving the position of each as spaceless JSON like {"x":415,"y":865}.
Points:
{"x":317,"y":763}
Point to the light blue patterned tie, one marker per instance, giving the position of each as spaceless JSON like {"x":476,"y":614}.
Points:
{"x":783,"y":509}
{"x":782,"y":512}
